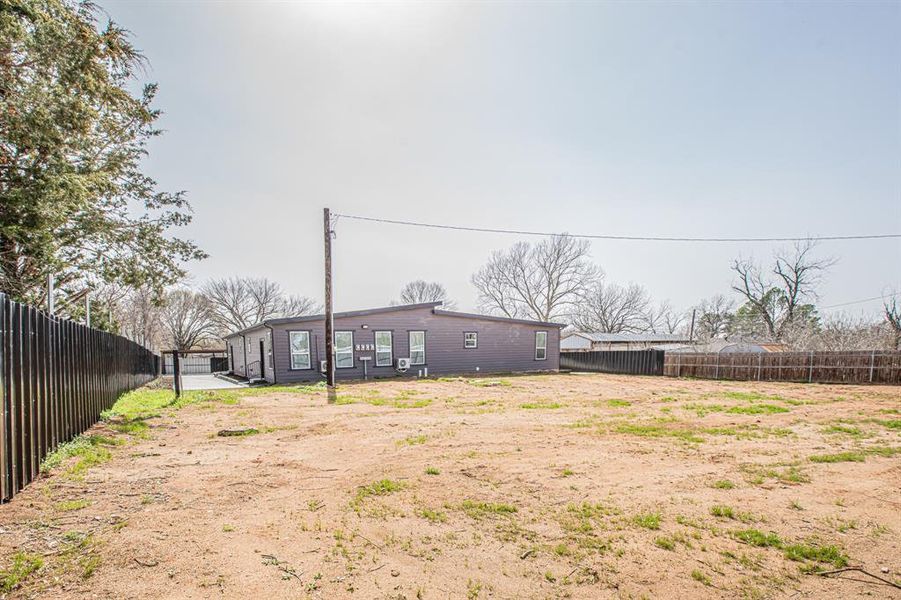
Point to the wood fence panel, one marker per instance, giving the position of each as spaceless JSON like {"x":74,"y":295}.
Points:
{"x":56,"y":377}
{"x":810,"y":367}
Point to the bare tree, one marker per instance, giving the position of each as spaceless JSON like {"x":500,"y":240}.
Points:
{"x":420,"y":291}
{"x":299,"y":306}
{"x":713,"y":317}
{"x":187,"y":319}
{"x":663,"y":319}
{"x":138,"y":317}
{"x":893,"y":318}
{"x":613,"y":308}
{"x":240,"y":302}
{"x":842,"y":333}
{"x":539,"y":281}
{"x":779,"y":298}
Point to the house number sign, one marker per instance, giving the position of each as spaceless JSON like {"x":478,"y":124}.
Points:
{"x":365,"y":347}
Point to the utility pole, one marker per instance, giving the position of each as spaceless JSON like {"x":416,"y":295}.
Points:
{"x":691,"y":332}
{"x":50,"y":293}
{"x":329,"y":317}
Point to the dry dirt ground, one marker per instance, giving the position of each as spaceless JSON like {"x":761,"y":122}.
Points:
{"x":555,"y":486}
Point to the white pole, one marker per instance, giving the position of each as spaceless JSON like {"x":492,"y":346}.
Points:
{"x":87,"y":310}
{"x":50,"y":293}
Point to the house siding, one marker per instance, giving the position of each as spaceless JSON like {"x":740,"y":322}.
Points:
{"x":503,"y":347}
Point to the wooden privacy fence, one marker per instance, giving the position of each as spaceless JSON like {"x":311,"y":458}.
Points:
{"x":56,"y":377}
{"x":809,"y":367}
{"x":632,"y":362}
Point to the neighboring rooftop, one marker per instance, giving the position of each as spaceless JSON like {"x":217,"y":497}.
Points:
{"x":628,"y":337}
{"x":385,"y":309}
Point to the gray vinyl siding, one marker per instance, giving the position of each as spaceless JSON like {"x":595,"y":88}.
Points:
{"x":503,"y":346}
{"x":251,"y":340}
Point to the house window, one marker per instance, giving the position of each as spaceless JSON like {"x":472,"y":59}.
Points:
{"x":417,"y":347}
{"x":540,"y":345}
{"x":383,"y":348}
{"x":300,"y":349}
{"x":344,"y":349}
{"x":470,"y":339}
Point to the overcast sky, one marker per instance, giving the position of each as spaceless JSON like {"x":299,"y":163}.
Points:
{"x":669,"y":119}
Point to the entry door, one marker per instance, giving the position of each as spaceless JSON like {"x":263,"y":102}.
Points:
{"x":262,"y":360}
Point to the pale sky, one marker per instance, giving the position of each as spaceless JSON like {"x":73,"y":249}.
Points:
{"x":759,"y":119}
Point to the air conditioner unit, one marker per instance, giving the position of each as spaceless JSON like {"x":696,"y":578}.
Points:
{"x":323,"y":366}
{"x":403,"y":364}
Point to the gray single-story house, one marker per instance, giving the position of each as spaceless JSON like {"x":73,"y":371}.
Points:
{"x":412,"y":340}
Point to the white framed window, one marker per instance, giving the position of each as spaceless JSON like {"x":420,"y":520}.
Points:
{"x":383,"y":357}
{"x":300,"y":349}
{"x":417,"y":347}
{"x":541,"y":345}
{"x":344,"y":349}
{"x":470,"y":339}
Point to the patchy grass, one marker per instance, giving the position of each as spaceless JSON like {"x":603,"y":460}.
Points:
{"x":382,"y":487}
{"x":665,"y":542}
{"x":752,"y":396}
{"x":722,"y":511}
{"x":23,"y":565}
{"x":617,"y":403}
{"x":72,"y":505}
{"x":79,"y":454}
{"x":414,"y":440}
{"x":757,"y":409}
{"x":146,"y":403}
{"x":723,"y":484}
{"x":433,"y":516}
{"x":755,"y":537}
{"x":649,"y":520}
{"x":479,"y":510}
{"x":816,"y":553}
{"x":432,"y":471}
{"x":700,"y":577}
{"x":541,"y":405}
{"x":849,"y":430}
{"x":839,"y":457}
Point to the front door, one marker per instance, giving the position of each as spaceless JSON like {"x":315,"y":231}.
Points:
{"x":262,"y":360}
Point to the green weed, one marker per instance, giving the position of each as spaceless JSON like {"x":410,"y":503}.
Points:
{"x":72,"y":505}
{"x":650,"y":520}
{"x":23,"y":565}
{"x":541,"y":405}
{"x":478,"y":510}
{"x":755,"y":537}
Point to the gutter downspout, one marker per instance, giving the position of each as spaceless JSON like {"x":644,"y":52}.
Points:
{"x":272,"y":350}
{"x":244,"y":344}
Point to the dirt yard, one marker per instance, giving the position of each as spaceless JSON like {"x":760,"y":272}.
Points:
{"x":557,"y":486}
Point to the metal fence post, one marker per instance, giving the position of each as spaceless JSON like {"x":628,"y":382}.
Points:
{"x":716,"y":372}
{"x":810,"y":370}
{"x":872,"y":364}
{"x":759,"y":364}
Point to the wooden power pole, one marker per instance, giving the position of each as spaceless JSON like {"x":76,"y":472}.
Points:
{"x":329,"y":317}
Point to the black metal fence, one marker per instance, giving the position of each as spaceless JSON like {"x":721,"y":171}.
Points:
{"x":631,"y":362}
{"x":196,"y":362}
{"x":56,"y":377}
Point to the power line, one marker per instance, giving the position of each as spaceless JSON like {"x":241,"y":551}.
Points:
{"x":861,"y":301}
{"x":634,"y":238}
